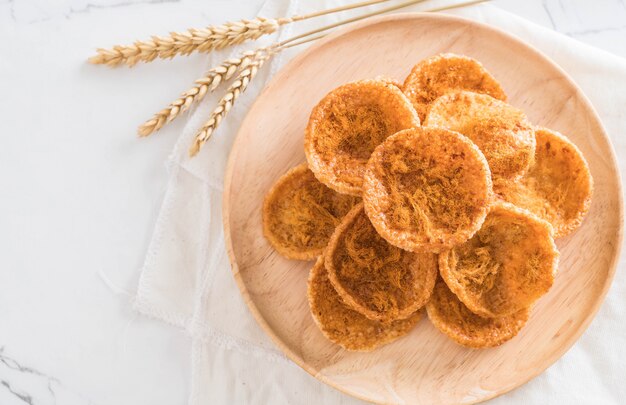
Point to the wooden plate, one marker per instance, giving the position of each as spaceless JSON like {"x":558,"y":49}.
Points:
{"x":425,"y":366}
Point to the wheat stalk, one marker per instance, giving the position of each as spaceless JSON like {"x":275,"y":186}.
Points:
{"x":183,"y":43}
{"x":207,"y":39}
{"x":204,"y":85}
{"x":234,"y":91}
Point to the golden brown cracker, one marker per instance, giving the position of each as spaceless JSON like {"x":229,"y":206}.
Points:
{"x":427,"y":189}
{"x":506,"y":266}
{"x":375,"y":278}
{"x":346,"y":126}
{"x":456,"y":321}
{"x":435,"y":76}
{"x":300,"y":214}
{"x":557,"y":188}
{"x":343,"y":325}
{"x":501,"y":132}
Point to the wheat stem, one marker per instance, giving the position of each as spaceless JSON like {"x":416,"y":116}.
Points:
{"x":337,"y":9}
{"x":302,"y":41}
{"x":351,"y":20}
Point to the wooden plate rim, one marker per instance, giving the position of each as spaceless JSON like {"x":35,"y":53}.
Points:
{"x":360,"y":25}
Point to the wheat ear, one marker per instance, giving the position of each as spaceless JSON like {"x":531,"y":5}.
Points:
{"x":183,"y":43}
{"x":204,"y":39}
{"x":204,"y":85}
{"x":234,"y":91}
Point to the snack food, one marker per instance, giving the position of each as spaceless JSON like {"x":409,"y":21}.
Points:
{"x":500,"y":131}
{"x":435,"y":76}
{"x":452,"y":318}
{"x":343,"y":325}
{"x":371,"y":276}
{"x":558,"y":186}
{"x":346,"y":126}
{"x":458,"y":216}
{"x":300,"y":214}
{"x":427,"y":189}
{"x":506,"y":266}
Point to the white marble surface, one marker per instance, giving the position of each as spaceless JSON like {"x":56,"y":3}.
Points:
{"x":79,"y":192}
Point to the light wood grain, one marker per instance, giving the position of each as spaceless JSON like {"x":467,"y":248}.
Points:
{"x":425,"y":366}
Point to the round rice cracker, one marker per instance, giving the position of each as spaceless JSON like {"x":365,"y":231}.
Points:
{"x":456,"y":321}
{"x":374,"y":278}
{"x":346,"y":126}
{"x":501,"y":131}
{"x":506,"y":266}
{"x":435,"y":76}
{"x":300,"y":214}
{"x":558,"y":186}
{"x":427,"y":189}
{"x":345,"y":326}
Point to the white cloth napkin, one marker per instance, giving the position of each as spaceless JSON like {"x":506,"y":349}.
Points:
{"x":186,"y":278}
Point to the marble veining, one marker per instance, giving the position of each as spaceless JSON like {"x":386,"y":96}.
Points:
{"x":21,"y":12}
{"x":24,"y":384}
{"x":544,"y":4}
{"x":95,"y":6}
